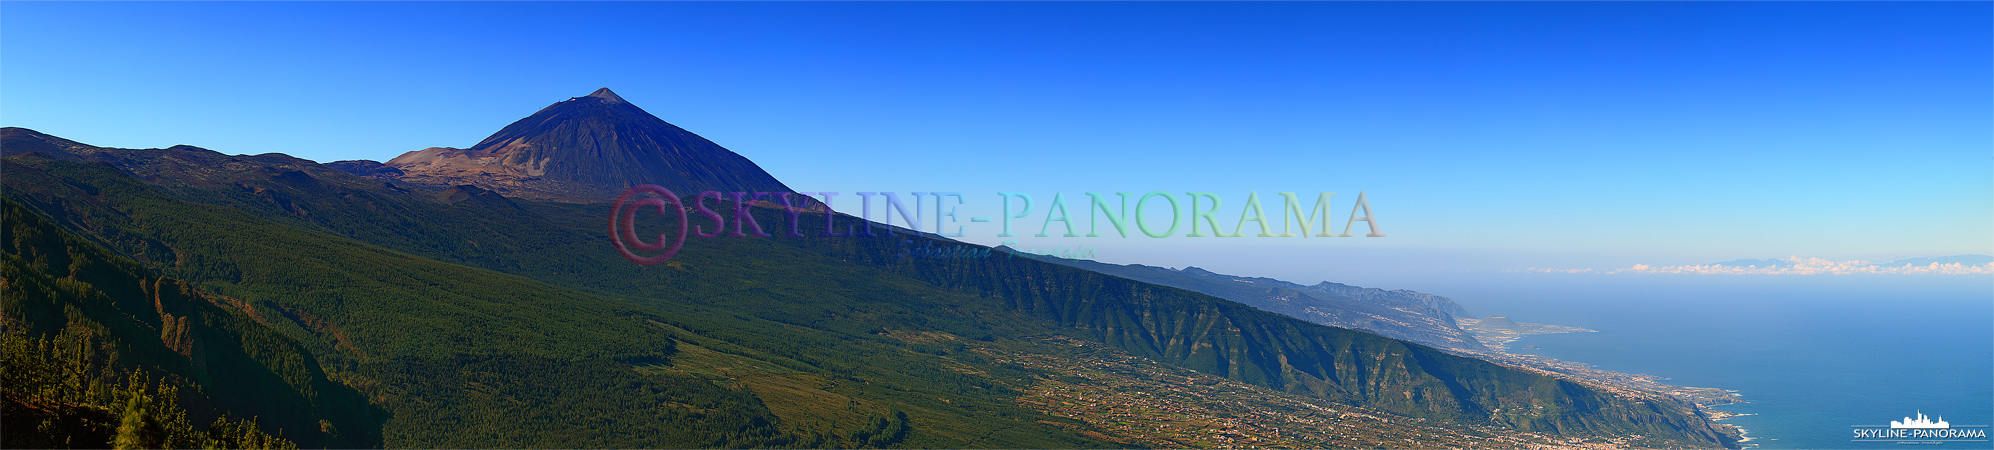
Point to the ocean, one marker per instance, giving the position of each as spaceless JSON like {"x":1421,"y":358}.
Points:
{"x":1814,"y":355}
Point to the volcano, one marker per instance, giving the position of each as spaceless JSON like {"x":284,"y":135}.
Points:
{"x":584,"y":149}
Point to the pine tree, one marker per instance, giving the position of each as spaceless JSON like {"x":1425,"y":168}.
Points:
{"x":138,"y":428}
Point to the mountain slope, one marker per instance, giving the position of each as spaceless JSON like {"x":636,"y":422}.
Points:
{"x":466,"y":357}
{"x":584,"y":149}
{"x":1401,"y":314}
{"x":811,"y":318}
{"x":57,"y":284}
{"x":418,"y":337}
{"x":1243,"y":343}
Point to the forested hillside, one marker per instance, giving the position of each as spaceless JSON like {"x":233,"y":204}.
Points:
{"x":97,"y":348}
{"x":476,"y":320}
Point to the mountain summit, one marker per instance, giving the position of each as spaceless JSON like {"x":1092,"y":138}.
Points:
{"x":584,"y":149}
{"x":606,"y":94}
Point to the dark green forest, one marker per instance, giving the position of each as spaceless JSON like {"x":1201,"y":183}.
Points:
{"x":100,"y":354}
{"x":58,"y":396}
{"x":465,"y":357}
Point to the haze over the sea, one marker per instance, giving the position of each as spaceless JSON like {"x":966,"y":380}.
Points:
{"x":1813,"y":355}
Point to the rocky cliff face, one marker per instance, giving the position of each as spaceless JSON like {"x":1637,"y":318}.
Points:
{"x":581,"y":150}
{"x":1398,"y":314}
{"x":1403,"y":297}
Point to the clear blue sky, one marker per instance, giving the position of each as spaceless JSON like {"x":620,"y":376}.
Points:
{"x":1487,"y":136}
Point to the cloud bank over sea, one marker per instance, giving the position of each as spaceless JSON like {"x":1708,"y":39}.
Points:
{"x":1795,"y":265}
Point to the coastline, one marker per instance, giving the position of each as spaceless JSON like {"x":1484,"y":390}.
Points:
{"x":1744,"y":434}
{"x":1497,"y":332}
{"x":1676,"y":330}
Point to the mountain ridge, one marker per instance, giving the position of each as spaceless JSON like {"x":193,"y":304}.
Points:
{"x":1400,"y":314}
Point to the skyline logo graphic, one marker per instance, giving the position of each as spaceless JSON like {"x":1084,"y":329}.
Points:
{"x":1922,"y":423}
{"x":1920,"y":429}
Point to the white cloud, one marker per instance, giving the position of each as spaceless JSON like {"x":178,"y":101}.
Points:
{"x":1796,"y":266}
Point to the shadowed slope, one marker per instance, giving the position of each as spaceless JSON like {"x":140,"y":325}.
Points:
{"x":584,"y":149}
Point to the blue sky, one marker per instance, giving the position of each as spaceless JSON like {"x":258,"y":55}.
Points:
{"x":1486,"y":136}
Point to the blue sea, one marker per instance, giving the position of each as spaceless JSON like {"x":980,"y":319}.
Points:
{"x":1814,"y":355}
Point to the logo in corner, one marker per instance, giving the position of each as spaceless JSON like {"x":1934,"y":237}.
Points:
{"x":1922,"y":422}
{"x":1920,"y":429}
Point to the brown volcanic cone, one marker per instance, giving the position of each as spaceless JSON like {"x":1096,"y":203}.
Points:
{"x":587,"y":149}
